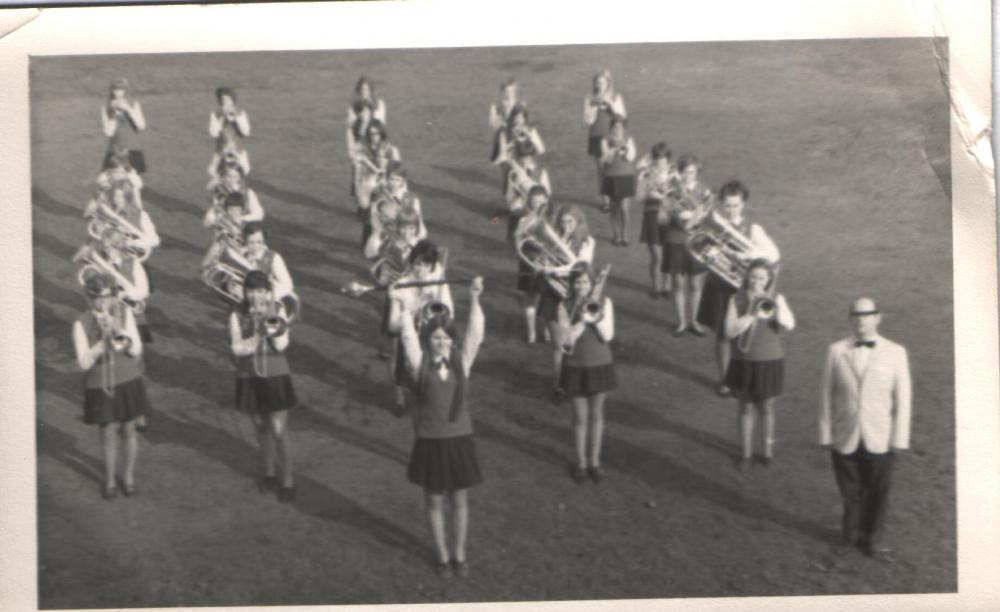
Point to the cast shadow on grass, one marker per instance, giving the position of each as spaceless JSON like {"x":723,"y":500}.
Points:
{"x":470,"y":175}
{"x":294,"y":197}
{"x":670,"y":477}
{"x":171,"y":205}
{"x":44,"y":201}
{"x":631,"y":415}
{"x":65,"y":449}
{"x":314,"y":498}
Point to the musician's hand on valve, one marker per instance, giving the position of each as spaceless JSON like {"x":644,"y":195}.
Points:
{"x":684,"y":215}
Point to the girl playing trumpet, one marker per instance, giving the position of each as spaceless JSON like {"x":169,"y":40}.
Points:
{"x":258,"y":338}
{"x":755,"y":319}
{"x":108,"y":348}
{"x":519,"y":142}
{"x":500,"y":112}
{"x":586,"y":326}
{"x":571,"y":225}
{"x":231,"y":183}
{"x":364,"y":92}
{"x":228,"y":123}
{"x":122,"y":120}
{"x":522,"y":180}
{"x":426,"y":263}
{"x":654,"y":183}
{"x":618,"y":185}
{"x":732,"y":200}
{"x":599,"y":108}
{"x":443,"y":461}
{"x":232,"y":154}
{"x":690,"y":201}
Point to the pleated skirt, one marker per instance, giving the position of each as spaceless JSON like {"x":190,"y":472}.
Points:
{"x":577,"y":381}
{"x":714,"y":301}
{"x":548,"y":303}
{"x":618,"y":187}
{"x":594,"y":146}
{"x":262,"y":396}
{"x":442,"y":465}
{"x":529,"y":281}
{"x":677,"y":260}
{"x":652,"y":232}
{"x":756,"y":380}
{"x":400,"y":374}
{"x":127,"y":401}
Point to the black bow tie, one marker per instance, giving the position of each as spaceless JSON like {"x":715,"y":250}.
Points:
{"x":867,"y":343}
{"x":443,"y":362}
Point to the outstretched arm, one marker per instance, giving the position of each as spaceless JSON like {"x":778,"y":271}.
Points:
{"x":476,"y":328}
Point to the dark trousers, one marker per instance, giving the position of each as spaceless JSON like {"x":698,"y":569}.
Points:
{"x":863,"y":480}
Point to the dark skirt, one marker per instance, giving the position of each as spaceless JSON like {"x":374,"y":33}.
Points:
{"x":444,"y":464}
{"x":618,"y":187}
{"x":577,"y":381}
{"x":714,"y":301}
{"x":753,"y":381}
{"x":384,"y":328}
{"x":263,"y":396}
{"x":149,"y":278}
{"x":136,"y":159}
{"x":529,"y":281}
{"x":677,"y":260}
{"x":144,"y":333}
{"x":652,"y":232}
{"x":548,"y":304}
{"x":127,"y":401}
{"x":594,"y":146}
{"x":366,"y":232}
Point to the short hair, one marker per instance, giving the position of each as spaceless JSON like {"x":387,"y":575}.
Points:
{"x":661,"y":151}
{"x":686,"y":160}
{"x":377,"y":125}
{"x":511,"y":82}
{"x":447,"y":323}
{"x":224,"y":91}
{"x":99,"y":284}
{"x":734,"y":188}
{"x":119,"y":83}
{"x":519,"y":109}
{"x":537,"y":190}
{"x":252,"y":228}
{"x":255,"y":279}
{"x":234,"y":200}
{"x":425,"y":252}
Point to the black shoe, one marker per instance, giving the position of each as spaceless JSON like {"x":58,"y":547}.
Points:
{"x":843,"y":548}
{"x":461,"y":568}
{"x":286,"y":494}
{"x":698,"y":330}
{"x":558,"y":395}
{"x":595,"y":473}
{"x":743,"y":464}
{"x":766,"y":461}
{"x":444,"y":570}
{"x":110,"y":491}
{"x":130,"y":490}
{"x":578,"y":474}
{"x":679,"y":331}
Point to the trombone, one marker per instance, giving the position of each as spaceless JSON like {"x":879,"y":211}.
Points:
{"x":115,"y":340}
{"x":269,"y":324}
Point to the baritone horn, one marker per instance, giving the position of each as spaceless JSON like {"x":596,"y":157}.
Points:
{"x":541,"y":248}
{"x":721,"y":248}
{"x":94,"y":263}
{"x":104,"y":222}
{"x":225,"y":275}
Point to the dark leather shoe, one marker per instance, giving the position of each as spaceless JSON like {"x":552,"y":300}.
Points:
{"x":843,"y":547}
{"x":743,"y":464}
{"x":596,"y":473}
{"x":578,"y":474}
{"x":286,"y":494}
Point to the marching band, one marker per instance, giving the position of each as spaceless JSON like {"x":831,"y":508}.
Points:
{"x":689,"y":232}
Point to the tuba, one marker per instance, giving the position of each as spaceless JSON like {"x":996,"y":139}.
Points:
{"x":104,"y":222}
{"x":225,"y":275}
{"x":94,"y":262}
{"x":720,"y":247}
{"x":541,"y":248}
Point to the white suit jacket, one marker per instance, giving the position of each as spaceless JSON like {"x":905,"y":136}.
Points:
{"x":872,"y":405}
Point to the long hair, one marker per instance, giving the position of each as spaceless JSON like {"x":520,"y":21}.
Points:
{"x":606,"y":75}
{"x":361,"y":82}
{"x":225,"y":91}
{"x":426,"y":252}
{"x":119,"y":83}
{"x":519,"y":109}
{"x":582,"y":232}
{"x":581,"y":268}
{"x":378,"y":126}
{"x":758,"y":264}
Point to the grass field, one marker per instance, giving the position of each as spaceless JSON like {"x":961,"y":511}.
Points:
{"x":844,"y":145}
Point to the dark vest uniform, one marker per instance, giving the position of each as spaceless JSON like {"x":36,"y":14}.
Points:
{"x":273,"y":362}
{"x":125,"y":367}
{"x":441,"y":411}
{"x":765,"y":341}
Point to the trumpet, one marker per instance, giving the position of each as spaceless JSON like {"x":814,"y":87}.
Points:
{"x":764,"y":307}
{"x":541,"y":248}
{"x":115,"y":340}
{"x":269,"y":323}
{"x":94,"y":262}
{"x":105,"y":222}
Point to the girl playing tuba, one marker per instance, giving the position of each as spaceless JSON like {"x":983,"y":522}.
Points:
{"x":108,"y":348}
{"x":264,"y":387}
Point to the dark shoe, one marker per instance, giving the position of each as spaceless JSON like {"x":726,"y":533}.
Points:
{"x":679,"y":331}
{"x":130,"y":490}
{"x":595,"y":473}
{"x":578,"y":474}
{"x":558,"y":395}
{"x":444,"y":570}
{"x":625,"y":242}
{"x":461,"y":568}
{"x":766,"y":461}
{"x":110,"y":491}
{"x":266,"y":484}
{"x":286,"y":494}
{"x":743,"y":464}
{"x":142,"y":427}
{"x":723,"y":391}
{"x":399,"y":410}
{"x":881,"y":553}
{"x":698,"y":330}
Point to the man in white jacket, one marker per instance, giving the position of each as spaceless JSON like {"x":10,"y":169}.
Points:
{"x":864,"y":419}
